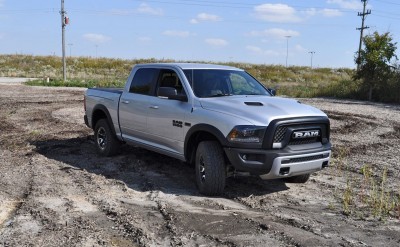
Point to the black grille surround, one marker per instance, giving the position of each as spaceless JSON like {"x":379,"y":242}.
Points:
{"x":280,"y":131}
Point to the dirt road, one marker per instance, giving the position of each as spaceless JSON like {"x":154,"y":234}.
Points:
{"x":55,"y":190}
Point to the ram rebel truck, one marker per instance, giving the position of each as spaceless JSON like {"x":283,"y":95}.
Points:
{"x":218,"y":118}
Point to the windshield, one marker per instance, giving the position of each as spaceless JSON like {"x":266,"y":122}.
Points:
{"x":216,"y":83}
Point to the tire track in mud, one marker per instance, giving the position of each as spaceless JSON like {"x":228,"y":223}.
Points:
{"x":18,"y":202}
{"x":153,"y":183}
{"x":88,"y":222}
{"x":122,"y":217}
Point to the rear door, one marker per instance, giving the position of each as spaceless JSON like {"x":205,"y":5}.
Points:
{"x":134,"y":104}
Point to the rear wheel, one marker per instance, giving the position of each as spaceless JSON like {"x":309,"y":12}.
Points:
{"x":210,"y":168}
{"x":107,"y":143}
{"x":301,"y":179}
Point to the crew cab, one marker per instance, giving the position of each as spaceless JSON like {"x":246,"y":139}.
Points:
{"x":218,"y":118}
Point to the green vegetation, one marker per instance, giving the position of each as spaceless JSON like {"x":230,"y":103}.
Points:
{"x":294,"y":81}
{"x":377,"y":69}
{"x":367,"y":192}
{"x":106,"y":72}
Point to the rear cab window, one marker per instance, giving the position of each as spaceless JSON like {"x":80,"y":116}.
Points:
{"x":144,"y":81}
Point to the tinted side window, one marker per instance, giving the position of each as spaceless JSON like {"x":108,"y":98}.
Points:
{"x":169,"y":78}
{"x":143,"y":81}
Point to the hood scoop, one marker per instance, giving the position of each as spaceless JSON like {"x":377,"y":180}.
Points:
{"x":254,"y":103}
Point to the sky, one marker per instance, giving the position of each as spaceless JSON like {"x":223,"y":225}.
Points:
{"x":321,"y":32}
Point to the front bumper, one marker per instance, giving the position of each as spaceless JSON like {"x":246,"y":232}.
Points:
{"x":279,"y":163}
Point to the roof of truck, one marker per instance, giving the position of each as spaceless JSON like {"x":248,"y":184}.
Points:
{"x":191,"y":66}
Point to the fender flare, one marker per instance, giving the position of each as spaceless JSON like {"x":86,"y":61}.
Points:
{"x":103,"y":109}
{"x":204,"y":128}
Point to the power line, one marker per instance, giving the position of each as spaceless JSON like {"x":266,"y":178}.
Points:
{"x":387,"y":2}
{"x":387,"y":17}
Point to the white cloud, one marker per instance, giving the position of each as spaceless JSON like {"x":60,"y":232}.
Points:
{"x":203,"y":17}
{"x":331,"y":12}
{"x":276,"y":13}
{"x":144,"y":8}
{"x":216,"y":42}
{"x":300,"y":48}
{"x":259,"y":51}
{"x":175,"y":33}
{"x":255,"y":49}
{"x":347,"y":4}
{"x":275,"y":33}
{"x":96,"y":38}
{"x":324,"y":12}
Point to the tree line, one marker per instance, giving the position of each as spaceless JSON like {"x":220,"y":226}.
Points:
{"x":378,"y":73}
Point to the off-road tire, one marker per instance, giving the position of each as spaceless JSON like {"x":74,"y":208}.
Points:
{"x":210,"y":168}
{"x":300,"y":179}
{"x":107,"y":143}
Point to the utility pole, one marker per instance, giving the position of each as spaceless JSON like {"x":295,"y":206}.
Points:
{"x":63,"y":24}
{"x":287,"y":49}
{"x":363,"y":15}
{"x":312,"y":54}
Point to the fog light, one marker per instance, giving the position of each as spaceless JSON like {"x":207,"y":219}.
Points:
{"x":284,"y":171}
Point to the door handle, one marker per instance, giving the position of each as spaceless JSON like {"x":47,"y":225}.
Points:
{"x":154,"y":107}
{"x":125,"y":101}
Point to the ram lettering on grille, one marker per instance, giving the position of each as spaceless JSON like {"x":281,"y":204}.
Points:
{"x":305,"y":134}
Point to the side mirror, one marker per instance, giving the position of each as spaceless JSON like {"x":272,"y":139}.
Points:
{"x":171,"y":93}
{"x":272,"y":91}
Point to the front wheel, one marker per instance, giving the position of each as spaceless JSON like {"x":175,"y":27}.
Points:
{"x":107,"y":143}
{"x":210,"y":168}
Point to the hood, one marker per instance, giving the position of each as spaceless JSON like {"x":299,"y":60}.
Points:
{"x":259,"y":110}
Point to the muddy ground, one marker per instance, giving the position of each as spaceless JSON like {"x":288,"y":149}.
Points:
{"x":56,"y":191}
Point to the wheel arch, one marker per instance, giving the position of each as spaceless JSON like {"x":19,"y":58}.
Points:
{"x":199,"y":133}
{"x":101,"y":112}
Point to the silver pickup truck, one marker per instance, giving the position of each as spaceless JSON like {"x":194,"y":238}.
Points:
{"x":219,"y":118}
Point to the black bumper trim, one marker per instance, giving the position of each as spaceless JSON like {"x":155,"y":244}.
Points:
{"x":264,"y":159}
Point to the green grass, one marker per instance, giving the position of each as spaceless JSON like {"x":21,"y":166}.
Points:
{"x":76,"y":83}
{"x":367,"y":193}
{"x":106,"y":72}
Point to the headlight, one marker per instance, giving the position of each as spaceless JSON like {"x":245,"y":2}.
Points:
{"x":247,"y":134}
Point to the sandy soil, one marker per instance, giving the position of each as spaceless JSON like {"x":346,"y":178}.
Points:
{"x":55,"y":190}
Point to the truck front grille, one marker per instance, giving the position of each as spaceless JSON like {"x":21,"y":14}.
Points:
{"x":282,"y":133}
{"x":304,"y":141}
